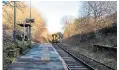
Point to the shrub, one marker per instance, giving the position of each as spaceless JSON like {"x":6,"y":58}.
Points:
{"x":22,"y":45}
{"x":91,"y":35}
{"x":8,"y":56}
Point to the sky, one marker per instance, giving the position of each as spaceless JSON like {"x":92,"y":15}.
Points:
{"x":54,"y":11}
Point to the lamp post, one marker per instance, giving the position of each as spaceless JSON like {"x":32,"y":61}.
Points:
{"x":30,"y":27}
{"x":14,"y":32}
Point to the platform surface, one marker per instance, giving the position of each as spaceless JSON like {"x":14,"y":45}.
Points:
{"x":40,"y":57}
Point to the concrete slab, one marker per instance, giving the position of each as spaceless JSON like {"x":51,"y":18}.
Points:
{"x":40,"y":57}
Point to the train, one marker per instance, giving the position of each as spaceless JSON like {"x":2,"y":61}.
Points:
{"x":55,"y":38}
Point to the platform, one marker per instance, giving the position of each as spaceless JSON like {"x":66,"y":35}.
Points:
{"x":40,"y":57}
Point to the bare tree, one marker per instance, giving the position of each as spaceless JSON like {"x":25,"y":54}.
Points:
{"x":99,"y":9}
{"x":67,"y":21}
{"x":9,"y":16}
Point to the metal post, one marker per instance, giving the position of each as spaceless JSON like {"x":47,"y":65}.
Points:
{"x":30,"y":9}
{"x":24,"y":32}
{"x":14,"y":32}
{"x":30,"y":26}
{"x":28,"y":32}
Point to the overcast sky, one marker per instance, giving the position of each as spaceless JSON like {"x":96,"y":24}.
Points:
{"x":54,"y":11}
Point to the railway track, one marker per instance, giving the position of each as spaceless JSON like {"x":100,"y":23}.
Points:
{"x":95,"y":65}
{"x":72,"y":62}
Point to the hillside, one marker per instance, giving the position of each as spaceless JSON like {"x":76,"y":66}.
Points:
{"x":97,"y":27}
{"x":88,"y":24}
{"x":83,"y":44}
